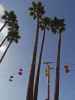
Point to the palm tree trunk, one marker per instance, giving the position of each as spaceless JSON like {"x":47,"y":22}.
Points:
{"x":3,"y":41}
{"x":48,"y":83}
{"x":32,"y":72}
{"x":5,"y":51}
{"x":38,"y":70}
{"x":56,"y":97}
{"x":3,"y":26}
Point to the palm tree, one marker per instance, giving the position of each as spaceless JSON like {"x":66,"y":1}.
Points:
{"x":58,"y":26}
{"x":44,"y":25}
{"x":8,"y":17}
{"x":13,"y":34}
{"x":36,"y":11}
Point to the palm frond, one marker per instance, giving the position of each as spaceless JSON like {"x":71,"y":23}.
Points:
{"x":36,"y":10}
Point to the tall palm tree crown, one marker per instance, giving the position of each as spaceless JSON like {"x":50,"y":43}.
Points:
{"x":57,"y":25}
{"x":37,"y":10}
{"x":44,"y":23}
{"x":9,"y":16}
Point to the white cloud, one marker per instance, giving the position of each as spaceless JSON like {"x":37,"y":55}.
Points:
{"x":2,"y":9}
{"x":4,"y":32}
{"x":2,"y":48}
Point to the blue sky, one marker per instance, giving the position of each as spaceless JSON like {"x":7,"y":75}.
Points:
{"x":20,"y":55}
